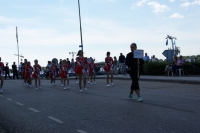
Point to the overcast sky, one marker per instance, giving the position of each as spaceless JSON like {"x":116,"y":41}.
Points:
{"x":50,"y":28}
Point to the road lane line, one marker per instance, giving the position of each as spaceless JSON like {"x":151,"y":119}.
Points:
{"x":34,"y":110}
{"x":1,"y":95}
{"x":55,"y":119}
{"x":81,"y":131}
{"x":9,"y":99}
{"x":19,"y":103}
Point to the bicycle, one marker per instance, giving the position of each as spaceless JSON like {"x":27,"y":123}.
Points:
{"x":122,"y":68}
{"x":191,"y":69}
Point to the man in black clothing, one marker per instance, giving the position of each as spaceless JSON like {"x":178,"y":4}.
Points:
{"x":134,"y":66}
{"x":15,"y":73}
{"x":7,"y":71}
{"x":121,"y":58}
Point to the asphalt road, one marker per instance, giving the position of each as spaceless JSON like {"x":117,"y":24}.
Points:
{"x":166,"y":108}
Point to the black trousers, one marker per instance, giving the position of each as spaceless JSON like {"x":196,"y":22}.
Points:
{"x":7,"y":73}
{"x":15,"y":74}
{"x":134,"y":78}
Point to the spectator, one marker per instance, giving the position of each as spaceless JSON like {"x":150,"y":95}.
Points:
{"x":169,"y":67}
{"x":179,"y":64}
{"x":7,"y":71}
{"x":121,"y":58}
{"x":146,"y":58}
{"x":48,"y":68}
{"x":1,"y":75}
{"x":153,"y":59}
{"x":20,"y":69}
{"x":15,"y":73}
{"x":115,"y":65}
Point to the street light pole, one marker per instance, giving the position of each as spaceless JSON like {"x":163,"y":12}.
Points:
{"x":80,"y":26}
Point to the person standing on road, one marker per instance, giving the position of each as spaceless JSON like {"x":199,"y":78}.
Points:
{"x":7,"y":71}
{"x":28,"y":73}
{"x":109,"y":68}
{"x":64,"y":74}
{"x":52,"y":73}
{"x":121,"y":58}
{"x":92,"y":67}
{"x":15,"y":73}
{"x":82,"y":67}
{"x":133,"y":68}
{"x":1,"y":75}
{"x":115,"y":65}
{"x":36,"y":75}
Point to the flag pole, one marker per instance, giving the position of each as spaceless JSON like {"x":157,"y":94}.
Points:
{"x":17,"y":45}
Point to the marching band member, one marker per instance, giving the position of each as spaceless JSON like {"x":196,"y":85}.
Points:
{"x":36,"y":75}
{"x":52,"y":73}
{"x":28,"y":74}
{"x":81,"y":69}
{"x":92,"y":67}
{"x":64,"y":73}
{"x":108,"y":68}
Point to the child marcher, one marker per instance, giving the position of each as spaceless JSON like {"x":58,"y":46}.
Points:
{"x":64,"y":74}
{"x":109,"y":68}
{"x":81,"y":69}
{"x":92,"y":67}
{"x":36,"y":75}
{"x":52,"y":73}
{"x":28,"y":74}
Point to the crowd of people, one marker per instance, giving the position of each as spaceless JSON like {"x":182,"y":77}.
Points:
{"x":83,"y":68}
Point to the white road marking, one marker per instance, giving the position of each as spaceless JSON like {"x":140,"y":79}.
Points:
{"x":9,"y":99}
{"x":19,"y":103}
{"x":1,"y":95}
{"x":55,"y":119}
{"x":32,"y":109}
{"x":81,"y":131}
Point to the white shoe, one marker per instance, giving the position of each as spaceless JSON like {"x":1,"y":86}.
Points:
{"x":36,"y":88}
{"x":85,"y":89}
{"x":112,"y":84}
{"x":88,"y":82}
{"x":91,"y":83}
{"x":139,"y":99}
{"x":1,"y":90}
{"x":62,"y":85}
{"x":77,"y":81}
{"x":108,"y":85}
{"x":64,"y":88}
{"x":81,"y":90}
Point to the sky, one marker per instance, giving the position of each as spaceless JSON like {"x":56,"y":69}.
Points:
{"x":50,"y":28}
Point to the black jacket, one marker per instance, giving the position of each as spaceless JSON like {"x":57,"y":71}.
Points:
{"x":131,"y":62}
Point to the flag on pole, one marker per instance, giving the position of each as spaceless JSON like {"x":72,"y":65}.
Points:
{"x":16,"y":34}
{"x":167,"y":42}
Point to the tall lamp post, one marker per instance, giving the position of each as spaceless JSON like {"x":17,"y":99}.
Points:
{"x":80,"y":26}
